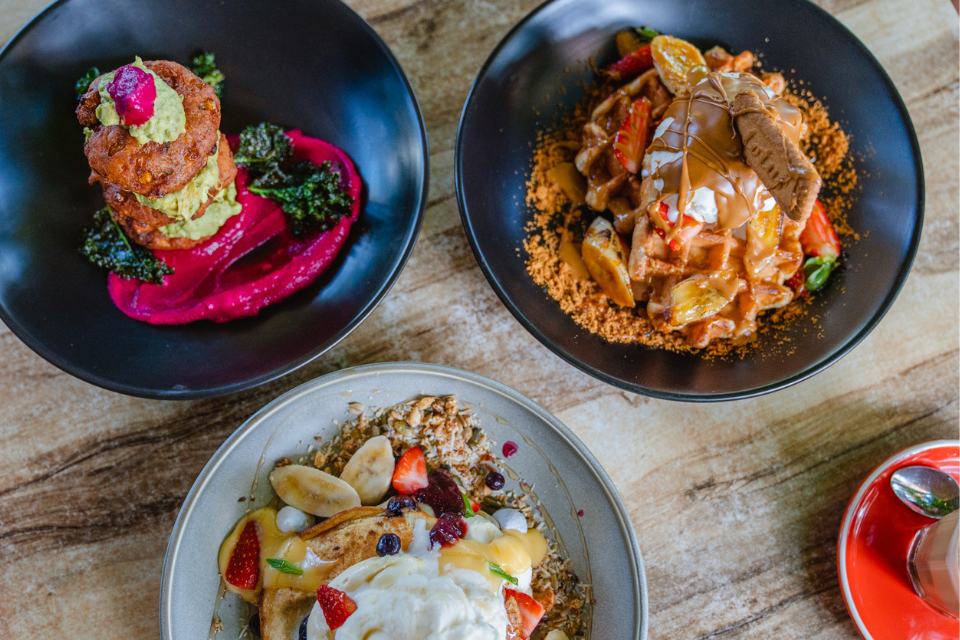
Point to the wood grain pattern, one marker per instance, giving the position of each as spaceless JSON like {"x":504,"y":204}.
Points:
{"x":737,"y":505}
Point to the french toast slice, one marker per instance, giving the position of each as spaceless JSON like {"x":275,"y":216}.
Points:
{"x":344,"y":539}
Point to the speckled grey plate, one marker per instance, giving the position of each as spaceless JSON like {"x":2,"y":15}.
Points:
{"x":601,"y":544}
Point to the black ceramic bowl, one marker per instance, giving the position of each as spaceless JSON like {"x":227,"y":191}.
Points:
{"x":313,"y":65}
{"x":516,"y":95}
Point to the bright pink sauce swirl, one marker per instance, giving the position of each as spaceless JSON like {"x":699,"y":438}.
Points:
{"x":210,"y":282}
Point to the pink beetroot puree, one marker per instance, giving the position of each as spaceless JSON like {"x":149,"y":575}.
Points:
{"x":208,"y":283}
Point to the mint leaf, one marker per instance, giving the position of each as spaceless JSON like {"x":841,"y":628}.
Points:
{"x":468,"y":507}
{"x":285,"y":567}
{"x":497,"y":571}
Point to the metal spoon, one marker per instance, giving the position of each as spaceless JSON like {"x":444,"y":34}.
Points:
{"x":928,"y":491}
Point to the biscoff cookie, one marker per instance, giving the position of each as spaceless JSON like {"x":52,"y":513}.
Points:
{"x":779,"y":163}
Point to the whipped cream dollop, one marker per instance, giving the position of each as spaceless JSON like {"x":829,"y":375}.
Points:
{"x":402,"y":597}
{"x":421,"y":595}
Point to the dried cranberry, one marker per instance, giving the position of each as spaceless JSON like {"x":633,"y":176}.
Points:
{"x":397,"y":504}
{"x":446,"y":533}
{"x":494,"y":480}
{"x":509,"y":448}
{"x":389,"y":545}
{"x":302,"y":635}
{"x":442,"y":494}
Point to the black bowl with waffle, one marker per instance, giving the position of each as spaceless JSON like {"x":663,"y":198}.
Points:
{"x":677,"y":271}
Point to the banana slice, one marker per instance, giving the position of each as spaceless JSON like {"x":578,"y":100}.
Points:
{"x":606,"y":261}
{"x":370,"y":470}
{"x":675,"y":59}
{"x":313,"y":491}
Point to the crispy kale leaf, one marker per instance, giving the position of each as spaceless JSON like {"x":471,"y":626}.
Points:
{"x":84,"y":83}
{"x":311,"y":196}
{"x":312,"y":199}
{"x":106,"y":245}
{"x":263,"y":150}
{"x":204,"y":65}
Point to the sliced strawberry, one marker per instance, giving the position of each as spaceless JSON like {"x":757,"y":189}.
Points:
{"x":819,"y":238}
{"x":691,"y":227}
{"x":243,"y":570}
{"x":796,"y":282}
{"x":410,"y":474}
{"x":820,"y":241}
{"x":631,"y":141}
{"x":530,"y":610}
{"x":337,"y":606}
{"x":631,"y":65}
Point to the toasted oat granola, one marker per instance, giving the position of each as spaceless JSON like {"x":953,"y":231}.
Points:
{"x":450,"y":437}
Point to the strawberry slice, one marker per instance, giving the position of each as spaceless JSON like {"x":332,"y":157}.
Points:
{"x":797,"y":282}
{"x":819,"y":238}
{"x":691,"y":227}
{"x":530,"y":610}
{"x":337,"y":606}
{"x":631,"y":141}
{"x":243,"y":570}
{"x":631,"y":65}
{"x":410,"y":474}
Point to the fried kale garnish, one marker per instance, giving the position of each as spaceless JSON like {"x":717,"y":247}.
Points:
{"x":312,"y":196}
{"x":106,"y":245}
{"x":83,"y":84}
{"x":204,"y":65}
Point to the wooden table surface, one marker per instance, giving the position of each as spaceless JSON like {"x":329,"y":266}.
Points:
{"x":736,"y":505}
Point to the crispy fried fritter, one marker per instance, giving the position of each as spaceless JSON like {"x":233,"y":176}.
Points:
{"x":127,"y":205}
{"x":150,"y":236}
{"x":154,"y":169}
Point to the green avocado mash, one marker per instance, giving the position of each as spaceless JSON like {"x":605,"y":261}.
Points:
{"x":182,"y":204}
{"x":223,"y":207}
{"x":169,"y":121}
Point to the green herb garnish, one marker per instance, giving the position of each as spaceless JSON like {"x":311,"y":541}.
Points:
{"x":817,"y":270}
{"x":311,"y":195}
{"x":646,"y":34}
{"x":83,"y":84}
{"x":204,"y":65}
{"x":497,"y":571}
{"x":285,"y":567}
{"x":468,"y":507}
{"x":106,"y":245}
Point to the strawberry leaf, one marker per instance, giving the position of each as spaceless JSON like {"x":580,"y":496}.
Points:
{"x":817,"y":270}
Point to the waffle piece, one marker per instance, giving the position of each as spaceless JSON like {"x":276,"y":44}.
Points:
{"x":606,"y":177}
{"x":682,"y":289}
{"x":781,"y":165}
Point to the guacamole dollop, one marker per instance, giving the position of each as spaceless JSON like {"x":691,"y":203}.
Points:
{"x":182,"y":204}
{"x":168,"y":122}
{"x":223,"y":207}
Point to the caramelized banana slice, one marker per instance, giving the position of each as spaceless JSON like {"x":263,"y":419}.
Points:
{"x":604,"y":257}
{"x":675,"y":59}
{"x":699,"y":296}
{"x":370,"y":470}
{"x":313,"y":491}
{"x":763,"y":238}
